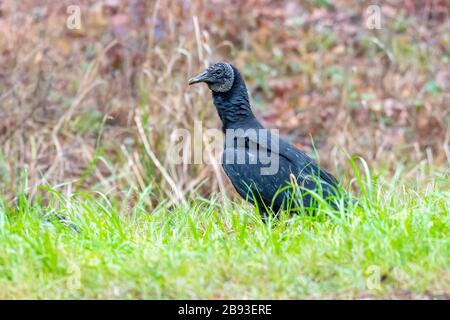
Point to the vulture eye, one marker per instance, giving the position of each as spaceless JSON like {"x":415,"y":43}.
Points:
{"x":218,"y":72}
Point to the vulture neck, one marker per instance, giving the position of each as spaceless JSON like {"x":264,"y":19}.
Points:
{"x":233,"y":106}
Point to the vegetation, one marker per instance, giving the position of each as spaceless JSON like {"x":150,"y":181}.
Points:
{"x":392,"y":243}
{"x":88,"y":207}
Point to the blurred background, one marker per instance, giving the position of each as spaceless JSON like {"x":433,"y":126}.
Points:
{"x":93,"y":108}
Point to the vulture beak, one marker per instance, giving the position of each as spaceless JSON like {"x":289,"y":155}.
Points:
{"x":202,"y":77}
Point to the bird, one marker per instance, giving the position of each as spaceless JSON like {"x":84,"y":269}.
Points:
{"x":265,"y":169}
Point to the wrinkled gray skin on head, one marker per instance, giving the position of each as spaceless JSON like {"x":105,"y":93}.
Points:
{"x":219,"y":77}
{"x":222,"y":75}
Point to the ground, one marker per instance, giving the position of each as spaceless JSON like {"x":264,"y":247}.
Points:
{"x":394,"y":244}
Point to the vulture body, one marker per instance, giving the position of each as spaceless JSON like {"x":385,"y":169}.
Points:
{"x":295,"y":182}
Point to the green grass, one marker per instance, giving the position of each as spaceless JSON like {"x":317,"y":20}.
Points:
{"x":394,"y":245}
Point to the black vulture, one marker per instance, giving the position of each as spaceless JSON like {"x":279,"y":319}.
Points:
{"x":263,"y":168}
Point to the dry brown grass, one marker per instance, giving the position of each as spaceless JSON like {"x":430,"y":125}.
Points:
{"x":93,"y":109}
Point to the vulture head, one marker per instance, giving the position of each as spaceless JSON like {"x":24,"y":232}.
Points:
{"x":219,"y":77}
